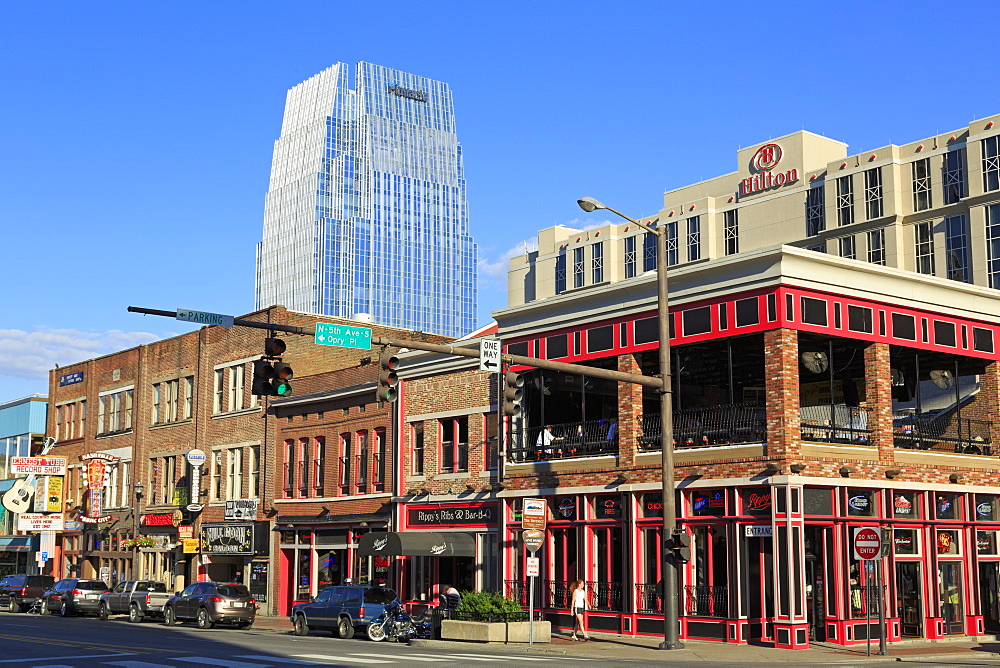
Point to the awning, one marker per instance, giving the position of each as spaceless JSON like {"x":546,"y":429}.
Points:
{"x":19,"y":543}
{"x":416,"y":544}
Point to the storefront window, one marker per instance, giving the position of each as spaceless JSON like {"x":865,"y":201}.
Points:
{"x":652,"y":505}
{"x":986,"y":542}
{"x":904,"y":541}
{"x":987,"y":509}
{"x":860,"y":502}
{"x":608,"y":507}
{"x":946,"y":507}
{"x":303,"y":580}
{"x":708,"y":502}
{"x":948,"y":542}
{"x":906,"y":505}
{"x":709,"y":596}
{"x":756,"y":501}
{"x":818,"y":501}
{"x":564,"y":508}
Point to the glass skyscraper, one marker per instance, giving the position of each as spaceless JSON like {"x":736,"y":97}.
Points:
{"x":366,"y":210}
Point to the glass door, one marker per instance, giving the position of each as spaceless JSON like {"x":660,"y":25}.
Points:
{"x":760,"y":586}
{"x":989,"y":584}
{"x":950,"y":591}
{"x":909,"y":603}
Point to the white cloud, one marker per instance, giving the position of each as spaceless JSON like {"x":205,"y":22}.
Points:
{"x":30,"y":354}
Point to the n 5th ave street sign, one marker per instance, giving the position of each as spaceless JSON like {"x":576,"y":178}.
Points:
{"x":345,"y":336}
{"x":205,"y":318}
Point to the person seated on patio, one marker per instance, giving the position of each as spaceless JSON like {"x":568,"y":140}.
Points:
{"x":543,"y":445}
{"x":975,"y":447}
{"x":612,"y":432}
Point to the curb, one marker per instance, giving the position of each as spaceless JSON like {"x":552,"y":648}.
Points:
{"x":457,"y":644}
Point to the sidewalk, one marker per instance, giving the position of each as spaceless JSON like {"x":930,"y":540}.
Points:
{"x":609,"y":648}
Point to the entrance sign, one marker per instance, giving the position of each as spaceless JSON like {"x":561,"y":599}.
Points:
{"x":533,"y":539}
{"x":758,"y":531}
{"x":533,"y":514}
{"x":489,"y":355}
{"x":344,"y":336}
{"x":867,"y":543}
{"x":205,"y":318}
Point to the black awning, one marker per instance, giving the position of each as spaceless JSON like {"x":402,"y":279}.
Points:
{"x":416,"y":544}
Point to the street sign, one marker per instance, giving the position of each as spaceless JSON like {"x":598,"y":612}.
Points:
{"x":344,"y":336}
{"x":203,"y":318}
{"x":531,"y":567}
{"x":533,"y":539}
{"x":533,"y":514}
{"x":489,"y":355}
{"x":867,"y":543}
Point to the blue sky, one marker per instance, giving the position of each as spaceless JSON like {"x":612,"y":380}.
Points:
{"x":136,"y":136}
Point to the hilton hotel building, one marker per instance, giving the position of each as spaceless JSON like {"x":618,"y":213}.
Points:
{"x":834,"y":320}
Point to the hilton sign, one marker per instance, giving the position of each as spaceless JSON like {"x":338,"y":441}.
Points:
{"x":763,"y":161}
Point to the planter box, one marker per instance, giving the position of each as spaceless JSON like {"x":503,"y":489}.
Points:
{"x":501,"y":632}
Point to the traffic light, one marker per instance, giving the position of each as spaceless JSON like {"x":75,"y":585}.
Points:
{"x":387,"y":379}
{"x":512,"y":394}
{"x":271,"y":379}
{"x":681,"y":546}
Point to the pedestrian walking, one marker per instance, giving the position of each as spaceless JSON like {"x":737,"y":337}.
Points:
{"x":578,"y":597}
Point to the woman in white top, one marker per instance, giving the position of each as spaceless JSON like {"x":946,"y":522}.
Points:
{"x":578,"y":598}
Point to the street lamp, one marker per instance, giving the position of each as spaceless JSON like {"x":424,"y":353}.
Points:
{"x":139,"y":489}
{"x":671,"y":566}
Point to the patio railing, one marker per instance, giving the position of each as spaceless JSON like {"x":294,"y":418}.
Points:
{"x":706,"y":601}
{"x":564,"y":441}
{"x":835,"y":424}
{"x":707,"y":426}
{"x":945,"y":432}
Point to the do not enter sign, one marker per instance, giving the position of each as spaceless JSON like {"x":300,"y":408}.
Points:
{"x":867,"y":543}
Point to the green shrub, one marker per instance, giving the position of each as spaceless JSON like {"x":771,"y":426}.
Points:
{"x":489,"y":602}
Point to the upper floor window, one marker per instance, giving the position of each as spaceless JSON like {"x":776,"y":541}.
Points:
{"x":172,"y":400}
{"x":629,"y":257}
{"x":115,"y":411}
{"x":71,"y":420}
{"x":648,"y":252}
{"x":344,"y":479}
{"x":234,"y":473}
{"x":253,"y":454}
{"x":361,"y":463}
{"x":561,"y":271}
{"x":220,"y":390}
{"x":671,"y":231}
{"x":923,"y":240}
{"x":231,"y":391}
{"x":954,"y":176}
{"x":319,"y":465}
{"x":956,"y":239}
{"x":848,"y":248}
{"x":237,"y":379}
{"x":993,"y":244}
{"x":991,"y":163}
{"x":694,"y":238}
{"x":597,"y":256}
{"x":215,"y":475}
{"x":731,"y":231}
{"x":578,"y":267}
{"x":454,"y":444}
{"x":873,"y":193}
{"x":815,"y":210}
{"x":921,"y":170}
{"x":417,"y":448}
{"x":876,"y":246}
{"x":845,"y":200}
{"x":378,"y":461}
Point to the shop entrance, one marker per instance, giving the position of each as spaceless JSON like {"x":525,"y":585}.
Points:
{"x":459,"y":572}
{"x":760,"y":587}
{"x":816,"y":582}
{"x":909,"y":600}
{"x":950,"y":584}
{"x":989,"y":585}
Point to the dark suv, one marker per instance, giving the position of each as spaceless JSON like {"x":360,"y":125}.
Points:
{"x":74,"y":595}
{"x":209,"y":603}
{"x":341,"y":609}
{"x":18,"y":592}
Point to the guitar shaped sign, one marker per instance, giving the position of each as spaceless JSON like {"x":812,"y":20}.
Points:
{"x":18,"y":498}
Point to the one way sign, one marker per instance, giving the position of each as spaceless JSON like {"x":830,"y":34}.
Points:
{"x":489,"y":355}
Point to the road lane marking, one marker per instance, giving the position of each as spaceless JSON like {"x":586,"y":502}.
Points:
{"x":219,"y":662}
{"x":338,"y":659}
{"x":60,"y":658}
{"x":276,"y":659}
{"x":409,"y":657}
{"x":508,"y":657}
{"x":136,"y":664}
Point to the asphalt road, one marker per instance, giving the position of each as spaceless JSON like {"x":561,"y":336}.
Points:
{"x":75,"y":642}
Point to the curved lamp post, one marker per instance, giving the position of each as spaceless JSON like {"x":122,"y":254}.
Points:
{"x":670,"y":564}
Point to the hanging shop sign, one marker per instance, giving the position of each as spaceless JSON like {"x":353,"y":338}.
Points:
{"x":191,"y":545}
{"x":161,"y":519}
{"x":38,"y":465}
{"x":185,"y":531}
{"x":94,"y":474}
{"x":241,"y":509}
{"x":195,"y":459}
{"x":246,"y":538}
{"x":39,"y":522}
{"x":49,"y":494}
{"x":454,"y":515}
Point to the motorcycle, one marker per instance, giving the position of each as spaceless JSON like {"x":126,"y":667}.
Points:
{"x":396,"y":625}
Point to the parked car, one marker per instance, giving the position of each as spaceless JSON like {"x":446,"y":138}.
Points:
{"x":209,"y":603}
{"x":341,"y":609}
{"x":139,"y":598}
{"x":74,"y":596}
{"x":19,"y":591}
